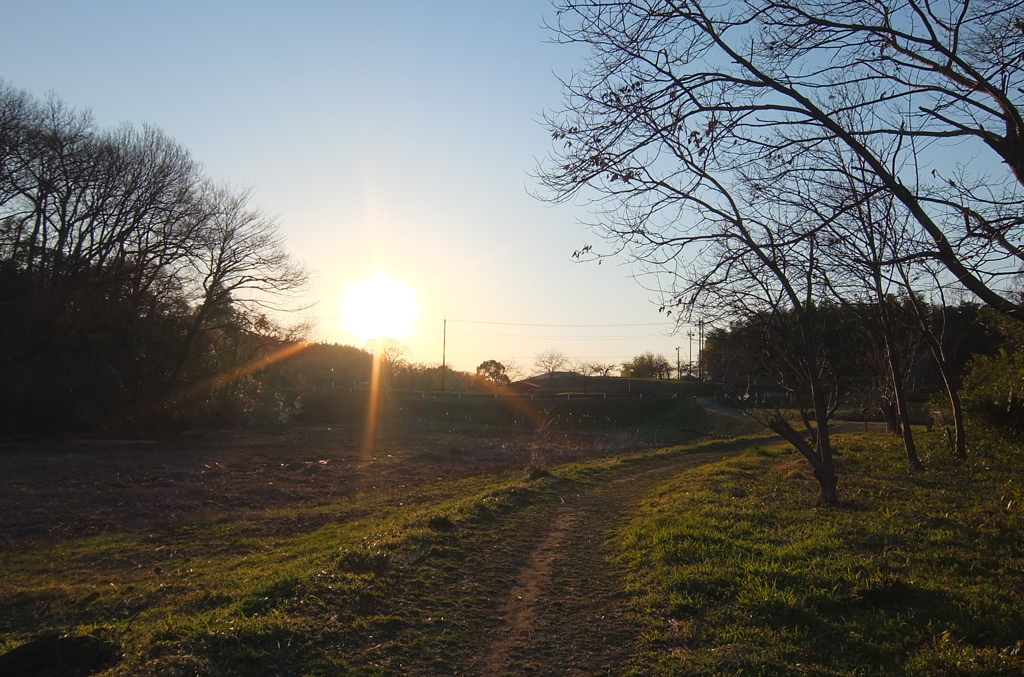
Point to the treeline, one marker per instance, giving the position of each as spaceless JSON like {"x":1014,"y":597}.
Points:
{"x":331,"y":366}
{"x":963,"y":361}
{"x":134,"y":290}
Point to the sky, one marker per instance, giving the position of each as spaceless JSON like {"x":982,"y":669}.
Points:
{"x":399,"y":137}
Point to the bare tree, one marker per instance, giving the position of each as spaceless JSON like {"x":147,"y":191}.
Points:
{"x":87,"y":209}
{"x":238,"y":260}
{"x":689,"y":115}
{"x":721,"y":247}
{"x":862,"y":235}
{"x":513,"y":369}
{"x":603,"y":368}
{"x":116,"y":256}
{"x":766,"y":272}
{"x":772,"y":82}
{"x":865,"y":252}
{"x":586,"y":369}
{"x":391,"y":350}
{"x":551,"y":360}
{"x":932,"y":322}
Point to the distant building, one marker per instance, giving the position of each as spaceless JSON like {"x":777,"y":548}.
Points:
{"x":556,"y":381}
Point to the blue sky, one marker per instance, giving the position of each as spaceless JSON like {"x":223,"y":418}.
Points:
{"x":395,"y":136}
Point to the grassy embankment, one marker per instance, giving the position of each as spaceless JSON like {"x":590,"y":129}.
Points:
{"x":734,"y":569}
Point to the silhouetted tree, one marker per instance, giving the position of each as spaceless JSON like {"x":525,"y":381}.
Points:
{"x":237,"y":260}
{"x":692,"y":120}
{"x":720,"y":88}
{"x":603,"y":368}
{"x":491,"y":374}
{"x":648,"y":365}
{"x":116,"y":256}
{"x":551,"y":360}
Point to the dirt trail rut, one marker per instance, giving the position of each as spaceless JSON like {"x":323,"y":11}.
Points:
{"x":565,"y":614}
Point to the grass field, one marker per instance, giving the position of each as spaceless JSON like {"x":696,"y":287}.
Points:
{"x":734,"y":570}
{"x":436,"y":554}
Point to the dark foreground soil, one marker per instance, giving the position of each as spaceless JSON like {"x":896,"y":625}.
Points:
{"x":68,"y":488}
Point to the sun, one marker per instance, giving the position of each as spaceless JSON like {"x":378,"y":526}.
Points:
{"x":379,"y":307}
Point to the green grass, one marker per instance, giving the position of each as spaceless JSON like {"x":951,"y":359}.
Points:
{"x":736,"y":569}
{"x":205,"y":598}
{"x":396,"y":582}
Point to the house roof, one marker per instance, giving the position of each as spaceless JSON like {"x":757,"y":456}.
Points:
{"x":547,"y":376}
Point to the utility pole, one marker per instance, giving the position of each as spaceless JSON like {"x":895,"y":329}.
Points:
{"x":679,"y":368}
{"x":700,"y":349}
{"x":444,"y":349}
{"x":690,"y":361}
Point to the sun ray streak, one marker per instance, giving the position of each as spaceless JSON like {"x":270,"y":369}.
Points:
{"x":372,"y":408}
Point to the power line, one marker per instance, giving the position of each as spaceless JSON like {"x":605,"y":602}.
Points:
{"x":555,"y":337}
{"x":613,"y":358}
{"x":518,"y":324}
{"x":573,"y":326}
{"x":561,"y":337}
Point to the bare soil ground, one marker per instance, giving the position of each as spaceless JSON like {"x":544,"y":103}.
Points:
{"x":58,"y":489}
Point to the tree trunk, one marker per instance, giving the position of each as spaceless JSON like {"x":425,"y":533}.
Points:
{"x":896,"y":375}
{"x":960,"y":443}
{"x":823,"y":469}
{"x":826,"y":473}
{"x":827,"y":484}
{"x":903,"y":415}
{"x":959,"y":446}
{"x":891,"y":415}
{"x":188,"y":343}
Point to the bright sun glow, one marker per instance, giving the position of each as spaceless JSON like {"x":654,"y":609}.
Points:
{"x":379,"y":307}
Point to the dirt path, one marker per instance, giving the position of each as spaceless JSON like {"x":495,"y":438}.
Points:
{"x":566,"y":613}
{"x":709,"y":404}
